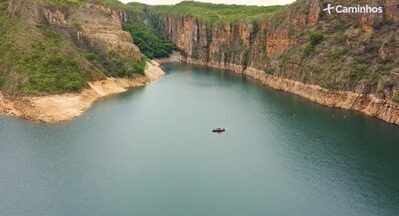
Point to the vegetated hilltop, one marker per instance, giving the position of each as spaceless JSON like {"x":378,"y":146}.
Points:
{"x":218,"y":13}
{"x":58,"y":46}
{"x":351,"y":52}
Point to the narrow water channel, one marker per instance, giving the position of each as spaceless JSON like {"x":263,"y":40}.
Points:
{"x":149,"y":152}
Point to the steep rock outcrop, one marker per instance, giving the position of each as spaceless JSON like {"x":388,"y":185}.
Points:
{"x":96,"y":23}
{"x":85,"y":38}
{"x":107,"y":30}
{"x":272,"y":52}
{"x":314,"y":12}
{"x":54,"y":16}
{"x":242,"y":43}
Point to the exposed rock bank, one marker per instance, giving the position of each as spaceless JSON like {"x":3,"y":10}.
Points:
{"x":368,"y":104}
{"x":63,"y":107}
{"x":351,"y":67}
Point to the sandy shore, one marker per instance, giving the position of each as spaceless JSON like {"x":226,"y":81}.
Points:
{"x":64,"y":107}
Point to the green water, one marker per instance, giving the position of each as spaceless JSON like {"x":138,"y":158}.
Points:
{"x":150,"y":152}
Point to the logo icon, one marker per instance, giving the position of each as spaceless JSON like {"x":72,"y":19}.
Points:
{"x":329,"y":8}
{"x":365,"y":9}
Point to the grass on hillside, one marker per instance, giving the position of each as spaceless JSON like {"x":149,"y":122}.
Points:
{"x":215,"y":13}
{"x":111,"y":3}
{"x":36,"y":60}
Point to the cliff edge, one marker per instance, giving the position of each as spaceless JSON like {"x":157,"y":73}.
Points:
{"x":339,"y":60}
{"x":58,"y":57}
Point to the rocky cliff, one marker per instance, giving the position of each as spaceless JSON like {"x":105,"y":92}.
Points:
{"x":339,"y":60}
{"x":97,"y":30}
{"x":58,"y":46}
{"x":58,"y":57}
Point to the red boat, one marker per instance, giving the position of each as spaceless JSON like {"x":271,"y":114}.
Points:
{"x":219,"y":130}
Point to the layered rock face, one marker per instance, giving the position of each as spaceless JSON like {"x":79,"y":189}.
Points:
{"x":107,"y":29}
{"x":246,"y":44}
{"x":368,"y":104}
{"x":85,"y":38}
{"x":92,"y":32}
{"x":272,"y":51}
{"x":97,"y":24}
{"x":255,"y":44}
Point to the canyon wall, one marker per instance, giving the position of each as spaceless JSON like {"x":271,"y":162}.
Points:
{"x":59,"y":46}
{"x":94,"y":22}
{"x":54,"y":47}
{"x":272,"y":51}
{"x":97,"y":25}
{"x":258,"y":44}
{"x":244,"y":44}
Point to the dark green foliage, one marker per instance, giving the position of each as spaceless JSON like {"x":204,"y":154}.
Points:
{"x":117,"y":65}
{"x":92,"y":56}
{"x":246,"y":58}
{"x":138,"y":66}
{"x":314,"y":39}
{"x":358,"y":72}
{"x":149,"y":41}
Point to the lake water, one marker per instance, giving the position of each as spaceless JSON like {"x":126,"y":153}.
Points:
{"x":149,"y":152}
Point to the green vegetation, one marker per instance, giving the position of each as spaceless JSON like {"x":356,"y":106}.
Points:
{"x":46,"y":59}
{"x":149,"y":41}
{"x":308,"y":49}
{"x":395,"y":98}
{"x":37,"y":59}
{"x":314,"y":39}
{"x":358,"y":72}
{"x":110,"y":3}
{"x":145,"y":30}
{"x":216,"y":13}
{"x":117,"y":65}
